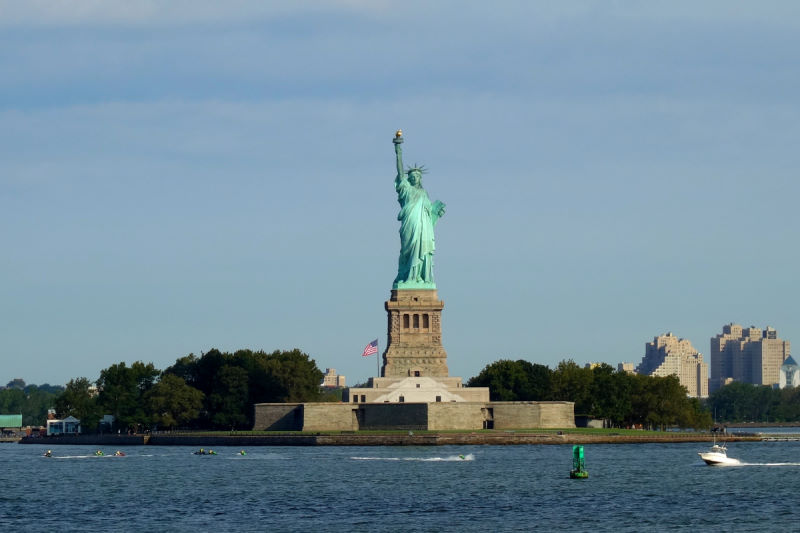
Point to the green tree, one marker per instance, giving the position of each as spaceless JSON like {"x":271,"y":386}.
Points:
{"x":741,"y":402}
{"x":574,"y":384}
{"x":78,"y":400}
{"x":32,"y":402}
{"x":670,"y":401}
{"x":280,"y":376}
{"x":515,"y":381}
{"x":261,"y":384}
{"x":206,"y":369}
{"x":611,"y":394}
{"x":37,"y":402}
{"x":294,"y":376}
{"x":788,"y":407}
{"x":12,"y":401}
{"x":122,"y":391}
{"x":642,"y":401}
{"x":331,"y":395}
{"x":16,"y":383}
{"x":172,"y":402}
{"x":186,"y":368}
{"x":695,"y":416}
{"x":229,"y":401}
{"x":50,"y":389}
{"x":658,"y":402}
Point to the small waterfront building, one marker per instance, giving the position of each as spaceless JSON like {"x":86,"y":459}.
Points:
{"x":66,"y":426}
{"x":10,"y":424}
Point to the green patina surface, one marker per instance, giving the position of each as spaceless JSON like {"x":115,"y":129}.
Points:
{"x":418,"y":216}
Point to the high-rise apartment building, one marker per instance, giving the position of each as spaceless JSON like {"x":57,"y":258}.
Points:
{"x":749,"y":355}
{"x":668,"y":355}
{"x":331,"y":379}
{"x":626,"y":367}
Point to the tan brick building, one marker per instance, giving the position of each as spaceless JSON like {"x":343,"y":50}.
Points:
{"x":332,"y":380}
{"x":626,"y":367}
{"x":749,"y":355}
{"x":668,"y":355}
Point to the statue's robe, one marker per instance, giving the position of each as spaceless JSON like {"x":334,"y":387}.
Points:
{"x":415,"y":263}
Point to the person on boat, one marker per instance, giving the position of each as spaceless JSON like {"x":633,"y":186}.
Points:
{"x":119,"y":453}
{"x":98,"y":453}
{"x":48,"y":453}
{"x":242,"y":452}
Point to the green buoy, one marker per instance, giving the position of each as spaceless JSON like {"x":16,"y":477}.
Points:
{"x":578,"y":465}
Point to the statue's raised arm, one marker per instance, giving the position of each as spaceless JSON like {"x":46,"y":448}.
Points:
{"x":417,"y":218}
{"x":398,"y":151}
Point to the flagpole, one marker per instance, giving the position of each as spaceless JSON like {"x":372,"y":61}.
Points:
{"x":378,"y":360}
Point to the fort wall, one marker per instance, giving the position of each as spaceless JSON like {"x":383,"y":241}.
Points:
{"x":278,"y":416}
{"x":413,"y":416}
{"x":388,"y":416}
{"x":455,"y":416}
{"x":329,"y":417}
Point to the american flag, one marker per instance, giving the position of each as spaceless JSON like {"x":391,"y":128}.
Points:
{"x":370,"y":348}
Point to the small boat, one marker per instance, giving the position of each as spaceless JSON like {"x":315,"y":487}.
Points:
{"x":717,"y":455}
{"x":99,"y":453}
{"x":201,"y":451}
{"x":48,"y":453}
{"x":119,"y":454}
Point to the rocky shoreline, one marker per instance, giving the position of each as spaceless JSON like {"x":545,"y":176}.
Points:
{"x":389,"y":439}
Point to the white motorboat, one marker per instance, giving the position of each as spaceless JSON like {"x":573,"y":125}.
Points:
{"x":718,"y":456}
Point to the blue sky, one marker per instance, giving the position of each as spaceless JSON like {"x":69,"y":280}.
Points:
{"x":176,"y":177}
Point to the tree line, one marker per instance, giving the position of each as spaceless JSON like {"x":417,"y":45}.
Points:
{"x":619,"y":398}
{"x":217,"y":390}
{"x":743,"y":402}
{"x":31,"y":401}
{"x":214,"y":391}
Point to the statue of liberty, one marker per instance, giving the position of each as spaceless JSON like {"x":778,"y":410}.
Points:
{"x":418,"y":215}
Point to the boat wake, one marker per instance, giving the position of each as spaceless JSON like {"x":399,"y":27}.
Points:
{"x":740,"y":464}
{"x":467,"y":457}
{"x":769,"y":464}
{"x":93,"y":456}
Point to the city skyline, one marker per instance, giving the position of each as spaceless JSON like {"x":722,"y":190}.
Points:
{"x":176,"y":178}
{"x":747,"y":355}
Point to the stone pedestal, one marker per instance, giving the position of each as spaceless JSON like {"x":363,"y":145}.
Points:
{"x":415,"y":363}
{"x":414,"y":341}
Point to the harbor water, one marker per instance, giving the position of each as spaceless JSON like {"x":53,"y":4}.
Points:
{"x":631,"y":487}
